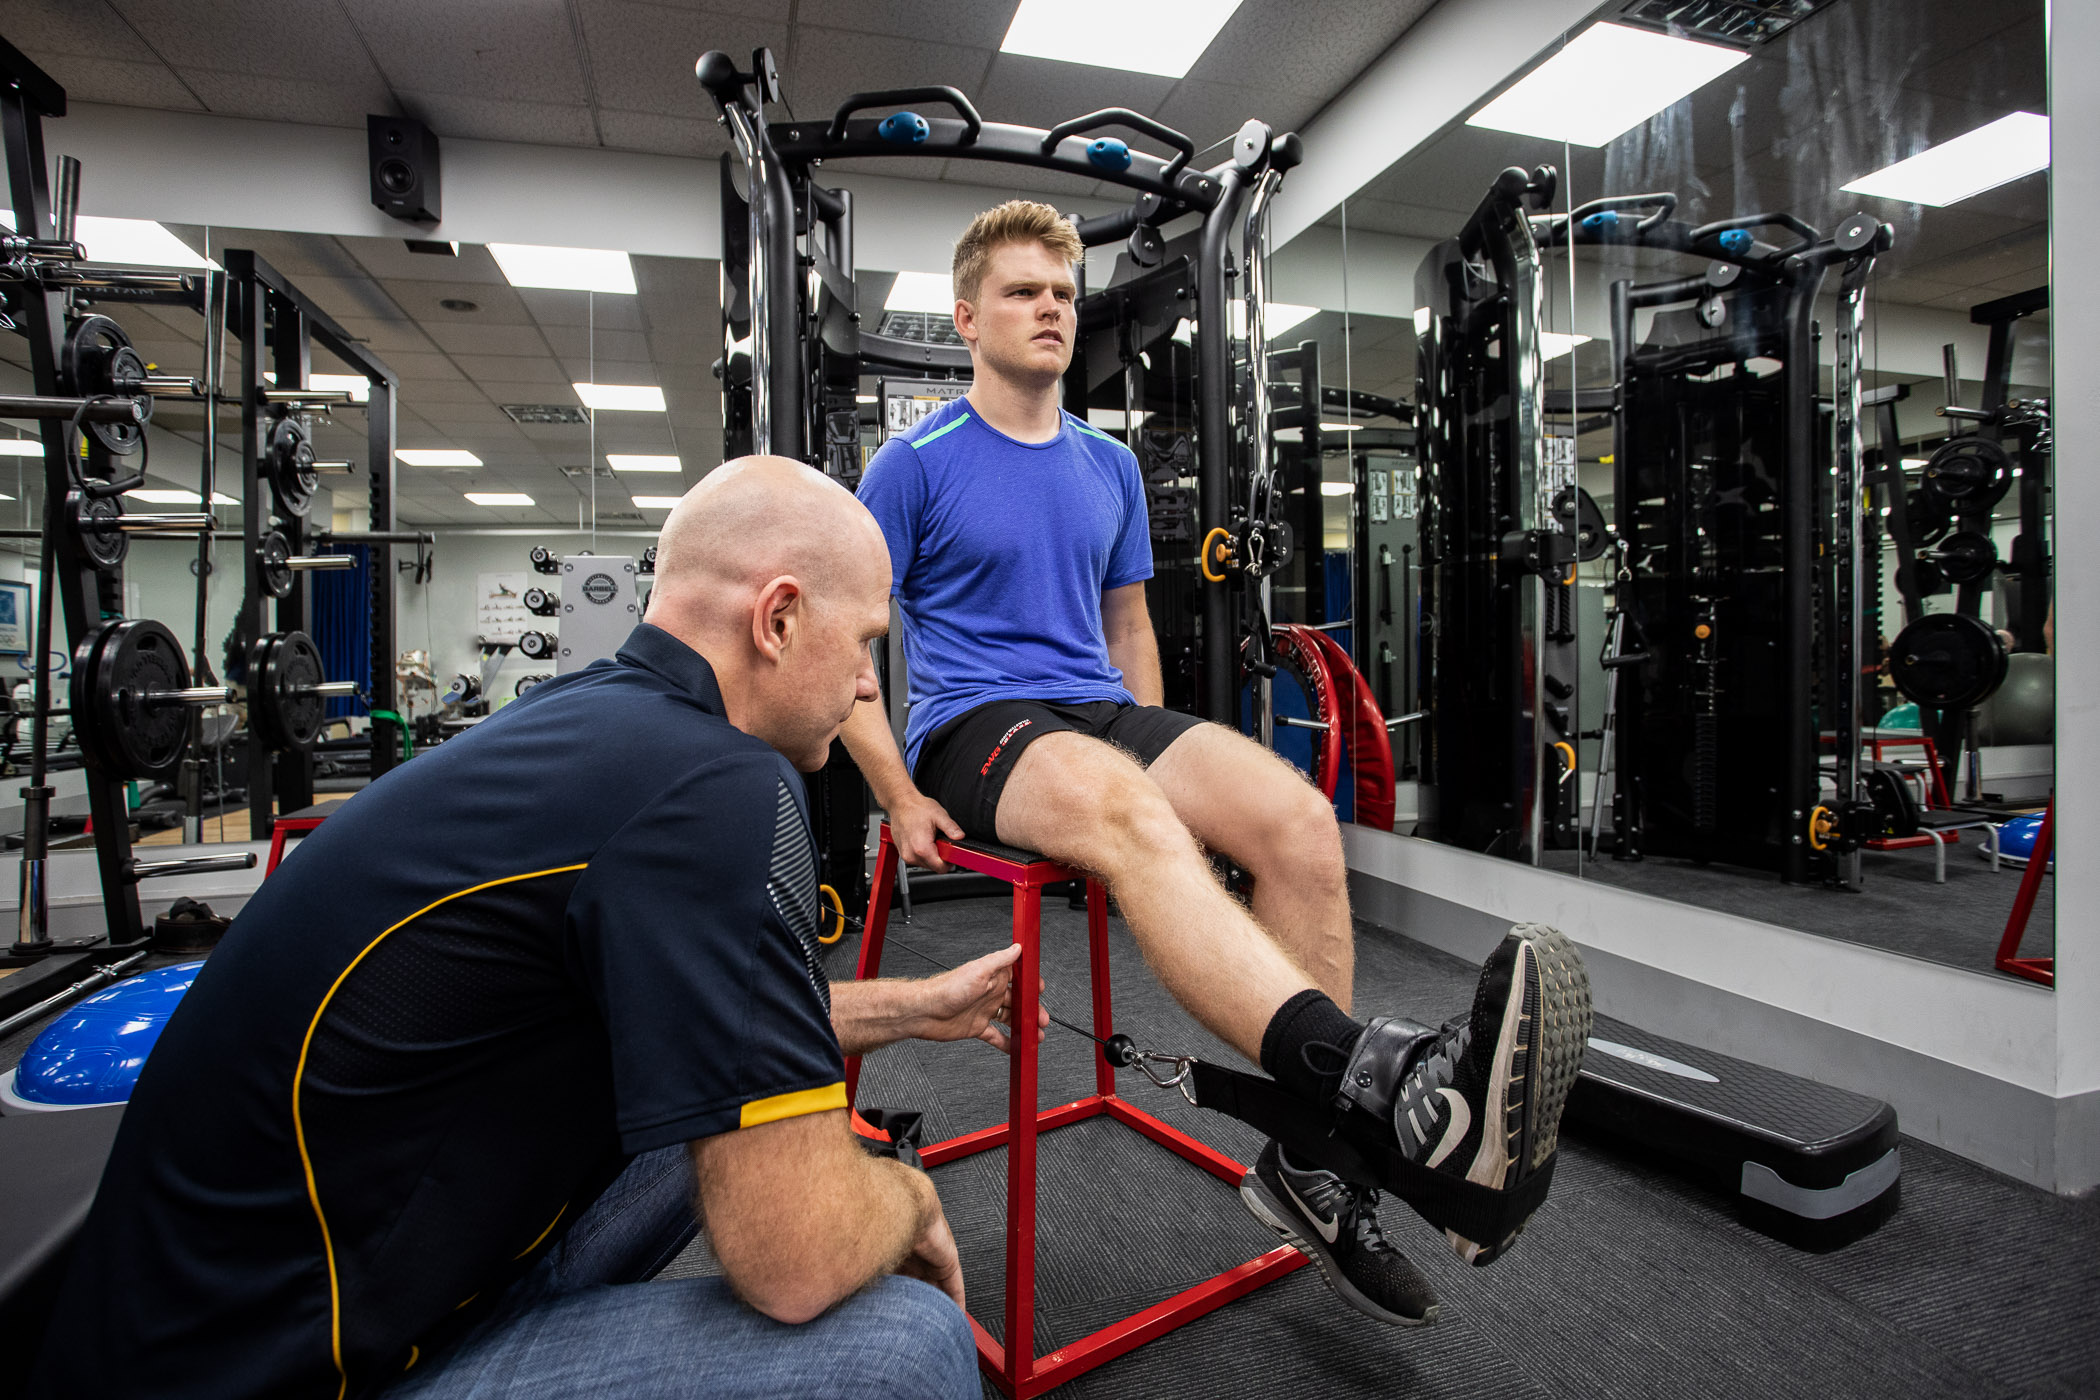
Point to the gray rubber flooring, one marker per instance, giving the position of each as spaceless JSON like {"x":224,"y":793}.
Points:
{"x":1629,"y":1282}
{"x":1899,"y":908}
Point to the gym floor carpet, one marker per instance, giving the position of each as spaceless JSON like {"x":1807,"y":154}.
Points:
{"x":1899,"y":908}
{"x":1630,"y":1282}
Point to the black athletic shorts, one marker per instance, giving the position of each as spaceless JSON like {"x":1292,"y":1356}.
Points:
{"x":965,"y":763}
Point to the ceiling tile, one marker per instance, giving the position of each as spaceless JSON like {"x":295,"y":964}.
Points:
{"x":117,"y":81}
{"x":1041,"y":92}
{"x":267,"y":98}
{"x":496,"y":119}
{"x":85,"y":28}
{"x":470,"y":338}
{"x":387,"y":338}
{"x":391,"y":259}
{"x":606,"y":311}
{"x":977,"y":23}
{"x":1279,"y":40}
{"x":642,"y":55}
{"x":515,"y":369}
{"x":696,"y":137}
{"x":1211,"y":113}
{"x":608,"y":346}
{"x":249,"y":36}
{"x":468,"y":48}
{"x":355,"y":297}
{"x":829,"y":65}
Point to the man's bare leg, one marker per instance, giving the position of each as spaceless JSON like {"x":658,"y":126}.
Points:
{"x":1084,"y":802}
{"x":1237,"y":797}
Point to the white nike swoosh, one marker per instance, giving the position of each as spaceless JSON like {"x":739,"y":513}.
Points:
{"x":1328,"y":1228}
{"x":1455,"y":1130}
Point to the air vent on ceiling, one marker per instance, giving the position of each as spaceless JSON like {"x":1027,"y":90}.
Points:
{"x":1743,"y":23}
{"x":602,"y":473}
{"x":546,"y":413}
{"x":619,"y":517}
{"x":925,"y":327}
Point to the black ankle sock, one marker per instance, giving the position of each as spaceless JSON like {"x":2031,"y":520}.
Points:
{"x":1311,"y":1017}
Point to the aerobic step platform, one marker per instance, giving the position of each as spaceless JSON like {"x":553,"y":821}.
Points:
{"x":1815,"y":1166}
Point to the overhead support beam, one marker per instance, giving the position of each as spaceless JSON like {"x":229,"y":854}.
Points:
{"x":1440,"y":69}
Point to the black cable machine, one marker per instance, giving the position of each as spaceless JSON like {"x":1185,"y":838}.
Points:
{"x":795,"y":347}
{"x":1741,"y":544}
{"x":1500,"y":534}
{"x":271,"y":651}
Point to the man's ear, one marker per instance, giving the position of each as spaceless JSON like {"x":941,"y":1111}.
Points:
{"x":966,"y":321}
{"x":776,"y":616}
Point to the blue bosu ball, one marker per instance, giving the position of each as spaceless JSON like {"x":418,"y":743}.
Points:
{"x":92,"y":1053}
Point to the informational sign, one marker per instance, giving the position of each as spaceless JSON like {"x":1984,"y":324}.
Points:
{"x":906,"y":401}
{"x":1560,"y":464}
{"x":15,"y":613}
{"x":1405,"y":499}
{"x":499,"y":608}
{"x":1379,"y":502}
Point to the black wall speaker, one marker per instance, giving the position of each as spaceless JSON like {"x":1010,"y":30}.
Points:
{"x":404,"y":156}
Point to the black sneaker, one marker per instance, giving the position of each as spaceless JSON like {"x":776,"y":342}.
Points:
{"x":1482,"y":1098}
{"x":1335,"y":1224}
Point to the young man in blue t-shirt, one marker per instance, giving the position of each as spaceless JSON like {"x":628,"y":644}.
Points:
{"x":1019,"y":547}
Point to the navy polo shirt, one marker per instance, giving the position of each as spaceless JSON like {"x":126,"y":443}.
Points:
{"x":582,"y":930}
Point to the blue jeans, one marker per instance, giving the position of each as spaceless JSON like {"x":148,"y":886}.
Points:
{"x":584,"y":1322}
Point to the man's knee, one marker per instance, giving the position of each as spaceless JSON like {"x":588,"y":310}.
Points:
{"x":913,"y":1342}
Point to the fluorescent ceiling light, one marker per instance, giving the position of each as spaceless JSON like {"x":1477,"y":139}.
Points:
{"x":655,"y":502}
{"x":1919,"y":462}
{"x":864,"y":398}
{"x":1607,"y":80}
{"x":360,"y":387}
{"x":135,"y":242}
{"x":157,"y":497}
{"x":21,"y":447}
{"x":565,"y":269}
{"x":929,"y":292}
{"x":639,"y":462}
{"x":1952,"y":171}
{"x":1114,"y":419}
{"x":499,"y":498}
{"x":1334,"y":488}
{"x":634,"y":398}
{"x":1341,"y":427}
{"x":1165,"y":37}
{"x":1554,"y":344}
{"x":437,"y":457}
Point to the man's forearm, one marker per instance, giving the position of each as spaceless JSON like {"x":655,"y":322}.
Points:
{"x":874,"y":748}
{"x":1136,"y":655}
{"x":869,"y":1015}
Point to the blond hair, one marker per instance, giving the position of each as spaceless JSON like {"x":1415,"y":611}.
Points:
{"x":1016,"y":221}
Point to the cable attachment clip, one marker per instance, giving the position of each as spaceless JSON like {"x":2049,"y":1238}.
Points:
{"x":1165,"y":1071}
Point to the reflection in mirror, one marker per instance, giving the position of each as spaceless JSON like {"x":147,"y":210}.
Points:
{"x":1734,"y":455}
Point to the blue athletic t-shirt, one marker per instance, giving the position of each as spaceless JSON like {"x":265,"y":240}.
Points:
{"x":999,"y":553}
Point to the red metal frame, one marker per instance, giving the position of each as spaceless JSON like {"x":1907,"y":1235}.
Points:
{"x":1935,"y":790}
{"x":283,"y":827}
{"x":1020,"y":1374}
{"x":2042,"y":970}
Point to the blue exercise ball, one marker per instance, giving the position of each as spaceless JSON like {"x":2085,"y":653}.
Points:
{"x":2016,"y":840}
{"x":91,"y":1055}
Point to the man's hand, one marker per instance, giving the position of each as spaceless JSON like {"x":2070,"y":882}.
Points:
{"x":916,"y":822}
{"x":971,"y":1001}
{"x":933,"y":1257}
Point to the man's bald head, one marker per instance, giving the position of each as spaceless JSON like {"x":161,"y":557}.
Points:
{"x":751,"y":521}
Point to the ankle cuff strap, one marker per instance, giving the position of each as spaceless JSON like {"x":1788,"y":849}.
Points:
{"x":1382,"y":1055}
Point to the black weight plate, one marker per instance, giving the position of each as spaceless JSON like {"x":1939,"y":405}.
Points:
{"x":276,"y":572}
{"x":92,"y":346}
{"x":1929,"y":518}
{"x":282,"y":710}
{"x":94,"y":524}
{"x":1948,"y":661}
{"x":1970,"y":473}
{"x":291,"y":468}
{"x":1967,"y":556}
{"x":121,"y":731}
{"x":121,"y":439}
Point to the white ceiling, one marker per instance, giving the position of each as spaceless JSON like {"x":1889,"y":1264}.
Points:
{"x":619,"y":73}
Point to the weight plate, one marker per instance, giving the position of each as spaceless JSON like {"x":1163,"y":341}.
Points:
{"x":121,"y":439}
{"x":1929,"y":517}
{"x":116,"y":670}
{"x":93,"y":344}
{"x":1967,"y":556}
{"x":1970,"y":473}
{"x":290,"y":468}
{"x":94,"y":525}
{"x":1948,"y":661}
{"x":276,"y":570}
{"x":283,"y":711}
